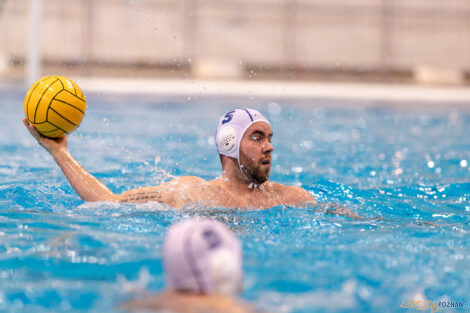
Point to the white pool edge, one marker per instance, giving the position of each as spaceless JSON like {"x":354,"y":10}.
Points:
{"x":276,"y":89}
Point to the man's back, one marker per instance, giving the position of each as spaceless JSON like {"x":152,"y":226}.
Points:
{"x":188,"y":303}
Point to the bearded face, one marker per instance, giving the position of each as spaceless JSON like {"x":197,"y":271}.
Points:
{"x":255,"y":172}
{"x":256,"y":152}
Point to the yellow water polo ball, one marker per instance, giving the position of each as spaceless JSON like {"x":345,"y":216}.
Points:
{"x":55,"y":106}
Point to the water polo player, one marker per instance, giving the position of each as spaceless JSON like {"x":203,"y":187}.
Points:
{"x":202,"y":261}
{"x":243,"y":141}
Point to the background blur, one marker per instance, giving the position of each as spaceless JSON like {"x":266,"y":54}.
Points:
{"x":418,"y":41}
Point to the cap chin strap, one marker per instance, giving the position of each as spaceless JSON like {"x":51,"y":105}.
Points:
{"x":241,"y":170}
{"x":251,"y":185}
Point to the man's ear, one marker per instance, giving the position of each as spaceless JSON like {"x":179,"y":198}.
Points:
{"x":224,"y":160}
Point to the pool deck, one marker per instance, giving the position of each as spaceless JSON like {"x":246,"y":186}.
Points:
{"x":365,"y":93}
{"x":278,"y":89}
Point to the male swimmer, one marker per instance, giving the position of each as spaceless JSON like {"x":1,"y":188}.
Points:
{"x":243,"y":140}
{"x":202,"y":261}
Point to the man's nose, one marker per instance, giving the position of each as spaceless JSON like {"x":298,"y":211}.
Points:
{"x":267,"y":147}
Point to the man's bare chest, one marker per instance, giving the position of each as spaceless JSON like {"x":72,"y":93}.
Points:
{"x":215,"y":196}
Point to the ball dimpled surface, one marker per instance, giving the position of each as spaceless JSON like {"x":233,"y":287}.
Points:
{"x":55,"y":106}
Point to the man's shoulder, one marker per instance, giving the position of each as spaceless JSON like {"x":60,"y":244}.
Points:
{"x":282,"y":187}
{"x":183,"y":184}
{"x":188,"y":180}
{"x":296,"y":192}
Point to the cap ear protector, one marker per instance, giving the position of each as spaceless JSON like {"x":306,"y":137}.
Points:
{"x":225,"y":272}
{"x":227,"y":140}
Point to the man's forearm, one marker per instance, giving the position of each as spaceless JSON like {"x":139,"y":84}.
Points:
{"x":88,"y":187}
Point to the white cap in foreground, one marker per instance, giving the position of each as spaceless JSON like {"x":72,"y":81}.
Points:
{"x":202,"y":255}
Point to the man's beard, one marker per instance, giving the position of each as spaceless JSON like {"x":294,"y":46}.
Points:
{"x":256,"y":174}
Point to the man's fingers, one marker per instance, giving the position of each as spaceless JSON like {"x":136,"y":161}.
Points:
{"x":31,"y":129}
{"x":25,"y":122}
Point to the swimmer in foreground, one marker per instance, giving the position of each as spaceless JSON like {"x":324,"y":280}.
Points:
{"x":243,"y":140}
{"x":202,"y":261}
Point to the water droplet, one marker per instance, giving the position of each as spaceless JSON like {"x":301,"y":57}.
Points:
{"x":307,"y":144}
{"x":398,"y":171}
{"x":399,"y":155}
{"x":274,"y":108}
{"x":319,"y":113}
{"x":463,"y":163}
{"x":201,"y":142}
{"x":355,"y":135}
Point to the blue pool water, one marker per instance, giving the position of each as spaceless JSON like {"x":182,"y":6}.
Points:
{"x":408,"y":164}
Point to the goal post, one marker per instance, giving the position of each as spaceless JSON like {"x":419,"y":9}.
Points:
{"x":33,"y":64}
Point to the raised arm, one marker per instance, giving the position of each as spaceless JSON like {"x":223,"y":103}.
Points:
{"x":88,"y":187}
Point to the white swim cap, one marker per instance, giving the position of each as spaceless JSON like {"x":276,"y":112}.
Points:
{"x":202,"y":255}
{"x":231,"y":128}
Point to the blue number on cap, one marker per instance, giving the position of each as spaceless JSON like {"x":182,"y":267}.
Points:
{"x":228,"y":117}
{"x":212,"y":238}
